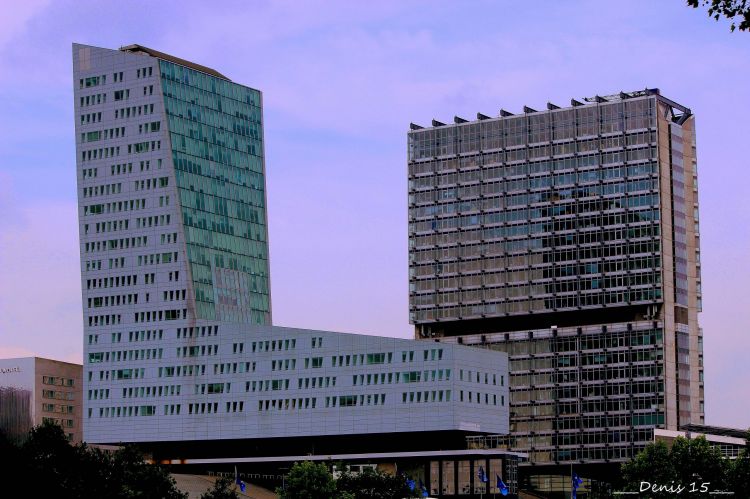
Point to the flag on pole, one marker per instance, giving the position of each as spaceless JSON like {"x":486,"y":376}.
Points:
{"x":482,"y":475}
{"x":411,"y":483}
{"x":576,"y":482}
{"x":501,"y":486}
{"x":423,"y":488}
{"x":238,"y":481}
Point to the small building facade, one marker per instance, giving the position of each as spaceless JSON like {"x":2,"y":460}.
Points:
{"x":34,"y":390}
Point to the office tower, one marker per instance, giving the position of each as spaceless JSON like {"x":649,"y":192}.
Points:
{"x":569,"y":238}
{"x":180,"y":355}
{"x":34,"y":390}
{"x":172,"y":215}
{"x":181,"y":147}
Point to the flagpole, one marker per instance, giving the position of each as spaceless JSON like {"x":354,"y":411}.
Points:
{"x":479,"y":476}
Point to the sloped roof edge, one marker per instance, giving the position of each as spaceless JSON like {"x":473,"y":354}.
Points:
{"x":182,"y":62}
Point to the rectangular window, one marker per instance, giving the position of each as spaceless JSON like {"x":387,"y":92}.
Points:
{"x":347,"y":400}
{"x":375,"y":358}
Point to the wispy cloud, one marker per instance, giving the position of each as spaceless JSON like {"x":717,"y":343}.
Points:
{"x":16,"y":16}
{"x":341,"y":81}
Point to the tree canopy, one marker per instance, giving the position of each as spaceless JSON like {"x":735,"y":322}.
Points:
{"x":373,"y":484}
{"x":734,"y":10}
{"x":223,"y":489}
{"x":47,"y":463}
{"x":689,"y":464}
{"x":308,"y":480}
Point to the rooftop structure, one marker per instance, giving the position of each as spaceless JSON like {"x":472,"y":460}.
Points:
{"x":140,"y":49}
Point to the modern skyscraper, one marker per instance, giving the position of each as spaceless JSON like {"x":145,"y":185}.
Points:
{"x":568,"y":238}
{"x":180,"y":355}
{"x":182,"y":149}
{"x":172,"y":212}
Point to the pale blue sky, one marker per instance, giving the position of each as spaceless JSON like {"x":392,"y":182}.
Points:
{"x":341,"y":82}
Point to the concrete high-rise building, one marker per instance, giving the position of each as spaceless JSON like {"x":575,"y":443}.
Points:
{"x":181,"y":148}
{"x":34,"y":390}
{"x":568,"y":238}
{"x":180,"y":355}
{"x":172,"y":217}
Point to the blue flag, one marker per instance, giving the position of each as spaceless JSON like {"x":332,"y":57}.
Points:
{"x":410,"y":483}
{"x":238,"y":481}
{"x":501,"y":486}
{"x":482,"y":475}
{"x":576,"y":482}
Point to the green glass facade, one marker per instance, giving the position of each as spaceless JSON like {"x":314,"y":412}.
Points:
{"x":216,"y":137}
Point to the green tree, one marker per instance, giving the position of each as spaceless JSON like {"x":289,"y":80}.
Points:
{"x":12,"y":462}
{"x":308,"y":480}
{"x":48,"y":462}
{"x":372,"y":484}
{"x":688,"y":463}
{"x":696,"y":461}
{"x":222,"y":489}
{"x":731,"y":9}
{"x":51,"y":462}
{"x":97,"y":474}
{"x":651,"y":465}
{"x":139,"y":479}
{"x":738,"y":476}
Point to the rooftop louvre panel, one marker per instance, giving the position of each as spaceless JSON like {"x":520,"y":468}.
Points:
{"x":588,"y":101}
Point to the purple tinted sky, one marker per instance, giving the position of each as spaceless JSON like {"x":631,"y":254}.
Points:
{"x":342,"y":82}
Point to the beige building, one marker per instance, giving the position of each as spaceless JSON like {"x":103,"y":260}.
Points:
{"x":34,"y":390}
{"x":568,"y":238}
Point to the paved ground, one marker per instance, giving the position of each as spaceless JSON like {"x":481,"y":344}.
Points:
{"x":195,"y":485}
